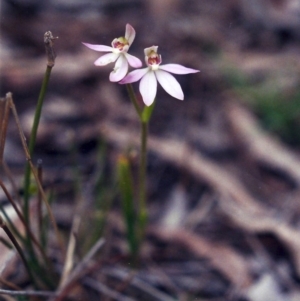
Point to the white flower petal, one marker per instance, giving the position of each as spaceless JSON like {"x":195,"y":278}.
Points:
{"x":102,"y":48}
{"x":169,"y":83}
{"x":120,"y":69}
{"x":106,"y":59}
{"x":148,"y":88}
{"x":134,"y":76}
{"x":133,"y":61}
{"x":129,"y":34}
{"x":177,"y":69}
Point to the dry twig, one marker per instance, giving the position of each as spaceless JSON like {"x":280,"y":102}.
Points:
{"x":261,"y":145}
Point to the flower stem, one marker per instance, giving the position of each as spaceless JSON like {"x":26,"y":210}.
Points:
{"x":32,"y":141}
{"x":142,"y":213}
{"x":51,"y":55}
{"x":144,"y":115}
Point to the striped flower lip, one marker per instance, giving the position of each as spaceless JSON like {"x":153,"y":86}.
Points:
{"x":155,"y":72}
{"x":117,"y":53}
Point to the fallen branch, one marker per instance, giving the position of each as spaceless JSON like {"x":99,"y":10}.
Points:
{"x":261,"y":145}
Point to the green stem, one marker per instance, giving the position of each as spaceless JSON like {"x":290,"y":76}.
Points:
{"x":142,"y":213}
{"x":144,"y":117}
{"x":32,"y":141}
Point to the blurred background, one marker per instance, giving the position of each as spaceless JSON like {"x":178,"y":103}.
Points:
{"x":224,"y":172}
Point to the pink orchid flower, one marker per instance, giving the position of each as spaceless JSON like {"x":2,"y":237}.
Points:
{"x":118,"y":53}
{"x":156,"y":72}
